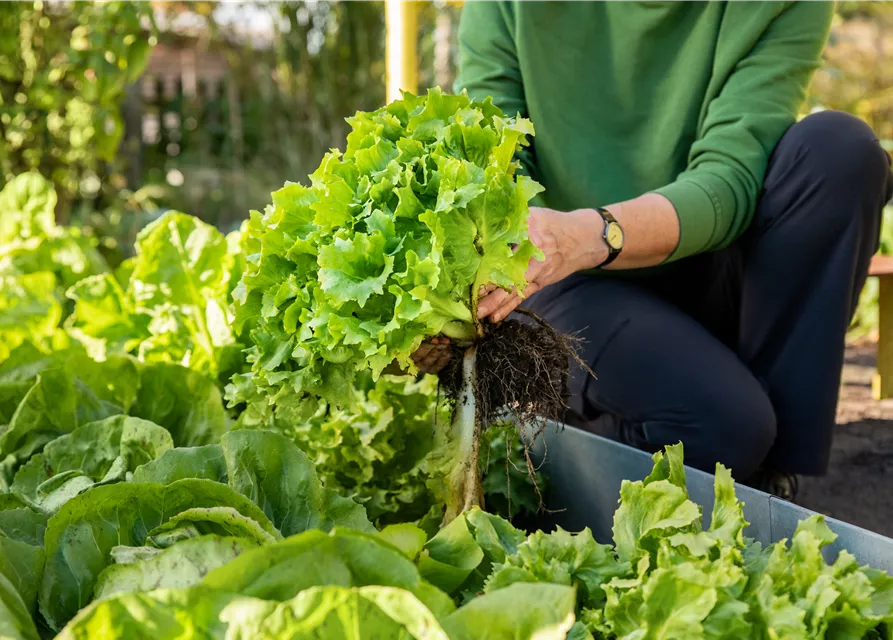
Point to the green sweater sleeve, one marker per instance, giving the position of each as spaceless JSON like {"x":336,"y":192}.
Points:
{"x":488,"y":63}
{"x":755,"y":102}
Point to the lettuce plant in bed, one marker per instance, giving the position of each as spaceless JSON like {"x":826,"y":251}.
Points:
{"x":170,"y":304}
{"x":32,"y":242}
{"x":390,"y":245}
{"x":39,"y":260}
{"x":50,"y":397}
{"x":181,"y":515}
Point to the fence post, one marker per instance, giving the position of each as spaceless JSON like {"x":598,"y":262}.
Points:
{"x":402,"y":64}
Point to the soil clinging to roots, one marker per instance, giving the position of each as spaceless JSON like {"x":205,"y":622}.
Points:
{"x":523,"y":368}
{"x":518,"y":370}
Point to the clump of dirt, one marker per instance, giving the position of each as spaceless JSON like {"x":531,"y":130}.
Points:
{"x":522,"y":367}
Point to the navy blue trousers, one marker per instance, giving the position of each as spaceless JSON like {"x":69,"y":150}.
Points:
{"x":738,"y":353}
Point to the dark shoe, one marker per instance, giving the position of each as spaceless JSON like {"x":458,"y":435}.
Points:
{"x":777,"y":483}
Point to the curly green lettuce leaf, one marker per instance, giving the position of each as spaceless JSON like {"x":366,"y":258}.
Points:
{"x":388,"y":452}
{"x":379,"y":451}
{"x":688,"y":582}
{"x":655,"y":507}
{"x":561,"y":558}
{"x":798,"y":590}
{"x":677,"y":579}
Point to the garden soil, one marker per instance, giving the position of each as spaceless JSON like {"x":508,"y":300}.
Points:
{"x":859,"y":485}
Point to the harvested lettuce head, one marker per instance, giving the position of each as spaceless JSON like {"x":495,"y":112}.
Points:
{"x":390,"y":245}
{"x":387,"y":247}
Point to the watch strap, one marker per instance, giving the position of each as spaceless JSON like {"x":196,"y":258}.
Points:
{"x":612,"y":252}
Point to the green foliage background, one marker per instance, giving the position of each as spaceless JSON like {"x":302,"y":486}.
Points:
{"x":64,"y":70}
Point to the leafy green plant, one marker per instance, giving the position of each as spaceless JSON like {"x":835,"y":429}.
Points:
{"x":391,"y":245}
{"x":511,"y":485}
{"x":379,"y":450}
{"x":140,"y":512}
{"x":38,"y":262}
{"x":170,"y":302}
{"x":127,"y":505}
{"x":64,"y":68}
{"x":45,"y":397}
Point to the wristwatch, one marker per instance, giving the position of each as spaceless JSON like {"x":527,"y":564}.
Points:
{"x":613,"y":236}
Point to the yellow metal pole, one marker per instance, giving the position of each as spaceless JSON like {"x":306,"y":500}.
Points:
{"x":882,"y":384}
{"x":402,"y":62}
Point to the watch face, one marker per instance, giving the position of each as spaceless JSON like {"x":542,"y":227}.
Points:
{"x":614,"y":235}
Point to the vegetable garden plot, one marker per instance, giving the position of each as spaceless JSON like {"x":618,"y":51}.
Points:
{"x":327,"y":500}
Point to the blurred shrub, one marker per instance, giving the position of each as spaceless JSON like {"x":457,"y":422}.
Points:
{"x":64,"y":68}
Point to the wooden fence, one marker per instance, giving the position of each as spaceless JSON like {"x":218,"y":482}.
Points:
{"x":220,"y":125}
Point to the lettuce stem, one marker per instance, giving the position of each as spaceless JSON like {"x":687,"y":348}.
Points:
{"x":464,"y":481}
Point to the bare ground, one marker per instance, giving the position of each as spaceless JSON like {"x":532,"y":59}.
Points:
{"x":859,"y":484}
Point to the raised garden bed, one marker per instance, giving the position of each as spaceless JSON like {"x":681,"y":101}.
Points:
{"x":585,"y":472}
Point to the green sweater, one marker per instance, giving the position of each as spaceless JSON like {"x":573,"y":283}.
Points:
{"x":686,"y":99}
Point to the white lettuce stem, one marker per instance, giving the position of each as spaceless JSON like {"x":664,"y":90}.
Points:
{"x":464,"y":490}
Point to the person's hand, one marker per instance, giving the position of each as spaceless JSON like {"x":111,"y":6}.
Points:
{"x":570,"y":240}
{"x":431,"y":357}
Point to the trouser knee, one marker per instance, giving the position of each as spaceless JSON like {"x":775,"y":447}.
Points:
{"x":738,"y":433}
{"x":837,"y":155}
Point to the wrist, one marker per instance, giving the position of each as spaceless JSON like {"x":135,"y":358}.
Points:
{"x":590,"y":237}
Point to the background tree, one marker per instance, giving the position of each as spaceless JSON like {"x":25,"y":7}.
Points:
{"x":64,"y":68}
